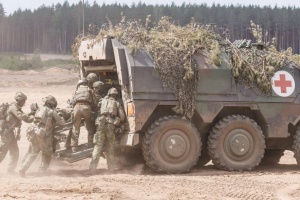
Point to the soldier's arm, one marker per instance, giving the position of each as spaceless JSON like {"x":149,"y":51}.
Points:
{"x":59,"y":120}
{"x":92,"y":98}
{"x":121,"y":113}
{"x":21,"y":116}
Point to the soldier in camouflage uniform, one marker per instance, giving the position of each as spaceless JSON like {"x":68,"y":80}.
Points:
{"x":91,"y":79}
{"x":9,"y":136}
{"x":40,"y":135}
{"x":111,"y":114}
{"x":83,"y":100}
{"x":97,"y":91}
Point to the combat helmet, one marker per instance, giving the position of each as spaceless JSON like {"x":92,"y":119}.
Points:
{"x":98,"y":84}
{"x":50,"y":100}
{"x":113,"y":91}
{"x":20,"y":96}
{"x":91,"y":78}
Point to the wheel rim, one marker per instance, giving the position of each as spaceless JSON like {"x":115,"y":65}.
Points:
{"x":174,"y":146}
{"x":239,"y":144}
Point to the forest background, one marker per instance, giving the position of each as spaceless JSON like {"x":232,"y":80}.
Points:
{"x":53,"y":29}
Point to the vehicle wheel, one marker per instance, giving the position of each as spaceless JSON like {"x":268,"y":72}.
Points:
{"x":296,"y":146}
{"x":236,"y":143}
{"x":171,"y":145}
{"x":272,"y":156}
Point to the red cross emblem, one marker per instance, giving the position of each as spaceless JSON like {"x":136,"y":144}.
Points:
{"x":283,"y":83}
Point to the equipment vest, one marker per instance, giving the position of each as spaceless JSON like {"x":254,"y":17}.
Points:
{"x":109,"y":106}
{"x":82,"y":94}
{"x":42,"y":115}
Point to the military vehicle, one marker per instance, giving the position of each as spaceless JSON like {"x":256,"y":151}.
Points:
{"x":232,"y":125}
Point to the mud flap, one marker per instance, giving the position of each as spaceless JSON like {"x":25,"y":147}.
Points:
{"x":66,"y":154}
{"x":130,"y":139}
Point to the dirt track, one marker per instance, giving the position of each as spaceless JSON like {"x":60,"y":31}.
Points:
{"x":69,"y":181}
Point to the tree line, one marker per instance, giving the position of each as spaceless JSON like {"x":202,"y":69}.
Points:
{"x":53,"y":29}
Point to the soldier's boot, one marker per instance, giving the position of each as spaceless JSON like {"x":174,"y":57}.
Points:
{"x":74,"y":149}
{"x":22,"y":172}
{"x":27,"y":163}
{"x":68,"y":141}
{"x":45,"y":162}
{"x":92,"y":169}
{"x":23,"y":169}
{"x":111,"y":164}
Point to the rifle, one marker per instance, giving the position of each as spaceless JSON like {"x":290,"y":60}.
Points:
{"x":17,"y":134}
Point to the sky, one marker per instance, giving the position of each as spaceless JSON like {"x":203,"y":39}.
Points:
{"x":12,"y":5}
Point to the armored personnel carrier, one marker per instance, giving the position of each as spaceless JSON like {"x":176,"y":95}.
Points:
{"x":232,"y":125}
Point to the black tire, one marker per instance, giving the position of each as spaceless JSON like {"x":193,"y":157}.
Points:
{"x":272,"y":156}
{"x":171,"y":145}
{"x":236,"y":143}
{"x":296,"y":146}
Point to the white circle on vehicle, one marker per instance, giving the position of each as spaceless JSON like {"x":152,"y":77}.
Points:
{"x":283,"y":83}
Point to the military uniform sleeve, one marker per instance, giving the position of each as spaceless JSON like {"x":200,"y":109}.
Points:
{"x":20,"y":115}
{"x":59,"y":120}
{"x":121,"y":113}
{"x":92,"y":98}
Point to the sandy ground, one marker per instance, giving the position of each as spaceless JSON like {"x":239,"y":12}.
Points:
{"x":69,"y":181}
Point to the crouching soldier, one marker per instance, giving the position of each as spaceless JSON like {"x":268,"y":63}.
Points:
{"x":40,"y":135}
{"x":110,"y":116}
{"x":11,"y":130}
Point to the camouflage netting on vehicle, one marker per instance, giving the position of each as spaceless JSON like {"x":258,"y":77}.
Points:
{"x":172,"y":47}
{"x":254,"y":67}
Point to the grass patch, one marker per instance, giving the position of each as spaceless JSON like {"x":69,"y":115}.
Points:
{"x":18,"y":62}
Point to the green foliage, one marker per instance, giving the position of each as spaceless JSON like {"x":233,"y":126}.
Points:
{"x":60,"y":62}
{"x":53,"y":29}
{"x":14,"y":62}
{"x":22,"y":62}
{"x":254,"y":67}
{"x":172,"y":47}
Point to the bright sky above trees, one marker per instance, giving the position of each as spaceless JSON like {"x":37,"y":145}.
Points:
{"x":12,"y":5}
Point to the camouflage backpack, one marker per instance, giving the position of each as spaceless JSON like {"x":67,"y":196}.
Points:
{"x":3,"y":110}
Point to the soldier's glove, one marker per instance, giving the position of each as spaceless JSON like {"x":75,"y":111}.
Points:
{"x":117,"y":121}
{"x":34,"y":107}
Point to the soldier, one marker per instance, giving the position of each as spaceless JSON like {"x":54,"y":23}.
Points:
{"x":91,"y":79}
{"x":97,"y":92}
{"x":9,"y":136}
{"x":111,"y":114}
{"x":83,"y":99}
{"x":40,"y":135}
